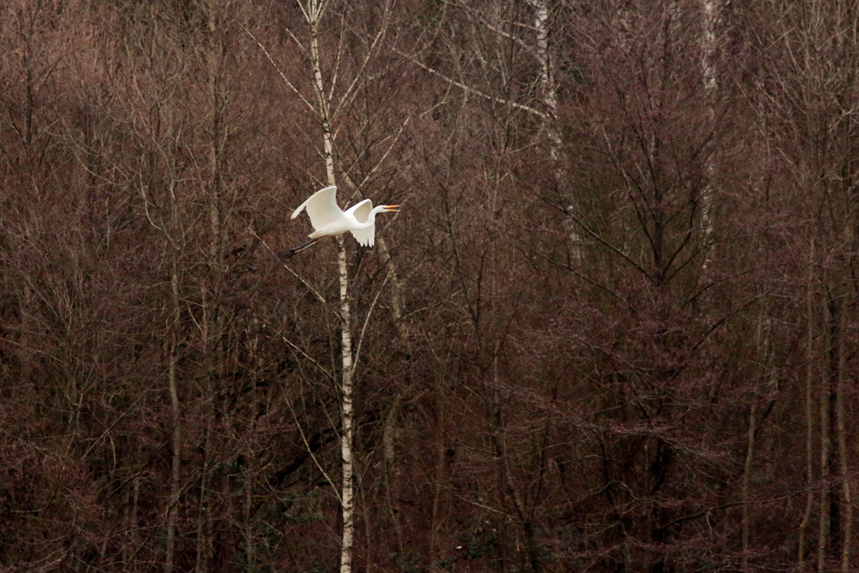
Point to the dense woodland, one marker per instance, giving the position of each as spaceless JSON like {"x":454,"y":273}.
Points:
{"x":613,"y":328}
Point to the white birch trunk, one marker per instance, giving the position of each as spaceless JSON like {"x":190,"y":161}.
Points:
{"x":347,"y":494}
{"x":547,"y":80}
{"x":549,"y":96}
{"x":710,"y":17}
{"x":314,"y":11}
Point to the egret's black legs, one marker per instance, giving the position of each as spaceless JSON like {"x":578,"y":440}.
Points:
{"x":299,"y":248}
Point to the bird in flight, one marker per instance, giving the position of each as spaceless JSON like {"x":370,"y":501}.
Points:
{"x":329,"y":220}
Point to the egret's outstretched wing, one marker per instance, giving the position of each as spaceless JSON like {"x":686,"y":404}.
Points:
{"x":321,"y":207}
{"x":361,"y":211}
{"x":366,"y":237}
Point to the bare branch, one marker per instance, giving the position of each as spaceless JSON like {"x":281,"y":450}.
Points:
{"x":310,"y":288}
{"x":275,"y":66}
{"x":367,"y":321}
{"x":471,"y":90}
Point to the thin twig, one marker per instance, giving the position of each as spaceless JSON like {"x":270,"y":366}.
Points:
{"x":367,"y":321}
{"x":357,"y":187}
{"x":296,"y":348}
{"x":351,"y":91}
{"x":310,"y":451}
{"x":472,"y":90}
{"x":282,"y":75}
{"x":310,"y":288}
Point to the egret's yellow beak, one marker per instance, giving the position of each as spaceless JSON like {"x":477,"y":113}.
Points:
{"x":392,"y":208}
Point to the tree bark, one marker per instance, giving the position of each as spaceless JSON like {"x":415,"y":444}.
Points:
{"x":809,"y":411}
{"x":841,"y":435}
{"x":747,"y":470}
{"x":549,"y":96}
{"x":708,"y":71}
{"x":314,"y":12}
{"x":172,"y":385}
{"x":212,"y":319}
{"x":825,"y":517}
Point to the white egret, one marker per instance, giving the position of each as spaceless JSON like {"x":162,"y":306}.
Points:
{"x":329,"y":220}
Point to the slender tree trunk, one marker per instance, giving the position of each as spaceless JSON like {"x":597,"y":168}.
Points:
{"x":390,"y":431}
{"x":203,"y":510}
{"x":764,"y":358}
{"x":841,"y":436}
{"x":438,"y":479}
{"x":132,"y":500}
{"x":747,"y":470}
{"x":824,"y":522}
{"x":398,"y":298}
{"x":847,"y":183}
{"x":250,"y":471}
{"x":809,"y":411}
{"x":547,"y":83}
{"x":173,"y":504}
{"x":508,"y":484}
{"x":549,"y":96}
{"x":710,"y":16}
{"x":388,"y":438}
{"x":832,"y":386}
{"x":211,"y":293}
{"x":347,"y":494}
{"x":314,"y":11}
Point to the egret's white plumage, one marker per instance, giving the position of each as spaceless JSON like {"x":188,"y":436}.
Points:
{"x":329,"y":220}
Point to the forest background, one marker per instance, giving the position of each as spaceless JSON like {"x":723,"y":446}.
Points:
{"x":613,"y":328}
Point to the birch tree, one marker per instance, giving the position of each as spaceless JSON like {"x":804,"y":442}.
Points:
{"x":335,"y":85}
{"x":709,"y":51}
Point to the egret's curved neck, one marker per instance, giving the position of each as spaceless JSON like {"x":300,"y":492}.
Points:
{"x":371,"y":218}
